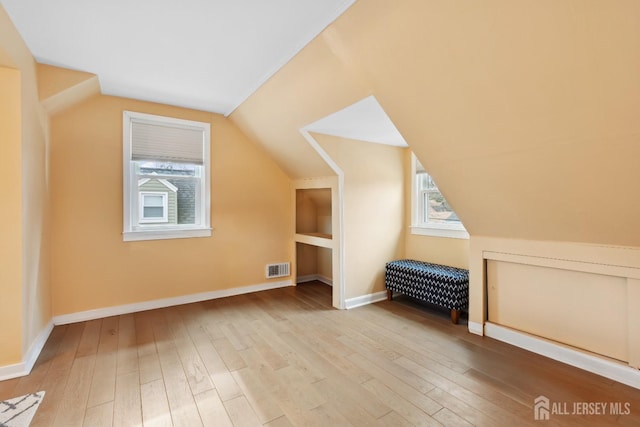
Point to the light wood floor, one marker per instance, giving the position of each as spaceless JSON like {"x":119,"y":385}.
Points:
{"x":285,"y":357}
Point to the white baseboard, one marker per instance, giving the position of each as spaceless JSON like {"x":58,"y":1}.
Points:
{"x":24,"y":368}
{"x":476,"y":328}
{"x":365,"y":299}
{"x":608,"y":368}
{"x":162,"y":303}
{"x":315,"y":277}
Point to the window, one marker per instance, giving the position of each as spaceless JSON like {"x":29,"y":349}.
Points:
{"x":432,"y":215}
{"x":166,"y":178}
{"x":153,"y":207}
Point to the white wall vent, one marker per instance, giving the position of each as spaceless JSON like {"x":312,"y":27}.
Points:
{"x":277,"y":270}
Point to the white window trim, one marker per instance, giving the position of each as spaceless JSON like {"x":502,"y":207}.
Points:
{"x":453,"y":231}
{"x":165,"y":207}
{"x":172,"y":231}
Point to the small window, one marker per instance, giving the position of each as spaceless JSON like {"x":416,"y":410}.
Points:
{"x":432,"y":214}
{"x":153,"y":207}
{"x":166,"y":177}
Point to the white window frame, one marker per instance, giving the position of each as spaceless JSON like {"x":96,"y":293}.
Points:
{"x":165,"y":207}
{"x":131,"y":204}
{"x":418,"y":226}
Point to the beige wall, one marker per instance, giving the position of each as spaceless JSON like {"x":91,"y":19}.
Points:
{"x":92,"y":267}
{"x":439,"y":250}
{"x":31,"y":299}
{"x":503,"y":103}
{"x":527,"y":122}
{"x":373,"y":210}
{"x":10,"y":217}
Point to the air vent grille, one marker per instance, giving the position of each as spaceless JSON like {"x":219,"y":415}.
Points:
{"x":277,"y":270}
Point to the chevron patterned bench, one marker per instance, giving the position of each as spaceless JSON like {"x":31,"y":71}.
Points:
{"x":437,"y":284}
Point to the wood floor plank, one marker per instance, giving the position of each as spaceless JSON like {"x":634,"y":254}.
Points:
{"x":328,"y":415}
{"x":406,"y":409}
{"x":241,"y":413}
{"x":394,"y":369}
{"x":73,"y":405}
{"x":109,"y":335}
{"x":450,"y":419}
{"x":263,"y":405}
{"x":103,"y":383}
{"x":99,"y":416}
{"x":395,"y":383}
{"x":285,"y":357}
{"x":194,"y":368}
{"x":127,"y":349}
{"x":150,"y":369}
{"x":280,"y":422}
{"x":127,"y":404}
{"x":498,"y":413}
{"x":218,"y":372}
{"x":67,"y":349}
{"x":229,"y":354}
{"x":184,"y":411}
{"x":145,"y":339}
{"x":155,"y":407}
{"x":90,"y":338}
{"x":356,"y":413}
{"x":393,"y":419}
{"x":54,"y":384}
{"x":212,"y":411}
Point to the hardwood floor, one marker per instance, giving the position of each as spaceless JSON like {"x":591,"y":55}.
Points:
{"x":286,"y":358}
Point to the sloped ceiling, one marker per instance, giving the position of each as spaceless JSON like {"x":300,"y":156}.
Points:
{"x":526,"y":113}
{"x":364,"y":121}
{"x":206,"y":55}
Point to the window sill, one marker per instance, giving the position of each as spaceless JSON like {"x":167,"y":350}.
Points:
{"x":452,"y":233}
{"x":133,"y":236}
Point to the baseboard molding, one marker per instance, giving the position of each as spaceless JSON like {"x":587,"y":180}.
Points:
{"x":24,"y":368}
{"x":162,"y":303}
{"x":365,"y":299}
{"x":314,"y":277}
{"x":476,"y":328}
{"x":599,"y":365}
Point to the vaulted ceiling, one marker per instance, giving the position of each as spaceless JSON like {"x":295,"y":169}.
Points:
{"x":208,"y":55}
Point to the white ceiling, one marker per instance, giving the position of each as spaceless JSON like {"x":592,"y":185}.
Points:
{"x":204,"y":54}
{"x":365,"y":121}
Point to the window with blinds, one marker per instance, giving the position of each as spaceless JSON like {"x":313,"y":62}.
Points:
{"x":168,"y":156}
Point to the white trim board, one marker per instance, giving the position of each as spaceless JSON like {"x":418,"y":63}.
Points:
{"x":315,"y":277}
{"x":24,"y":368}
{"x":365,"y":299}
{"x":475,"y":328}
{"x":165,"y":302}
{"x":605,"y":367}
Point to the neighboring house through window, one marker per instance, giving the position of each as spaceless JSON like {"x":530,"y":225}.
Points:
{"x":166,"y":177}
{"x":153,"y":207}
{"x":432,"y":215}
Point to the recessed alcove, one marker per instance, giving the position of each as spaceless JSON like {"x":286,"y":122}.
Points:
{"x":314,"y":216}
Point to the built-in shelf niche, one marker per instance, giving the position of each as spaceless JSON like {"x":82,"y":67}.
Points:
{"x":313,"y":216}
{"x":314,"y":263}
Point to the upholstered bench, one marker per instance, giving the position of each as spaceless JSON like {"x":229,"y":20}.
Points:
{"x":437,"y":284}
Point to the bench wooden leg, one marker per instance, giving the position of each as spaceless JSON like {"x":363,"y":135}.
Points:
{"x":455,"y":316}
{"x":389,"y":294}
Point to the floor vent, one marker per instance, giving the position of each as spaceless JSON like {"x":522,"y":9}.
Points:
{"x":277,"y":270}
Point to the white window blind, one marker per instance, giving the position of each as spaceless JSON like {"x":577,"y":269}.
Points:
{"x":155,"y":141}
